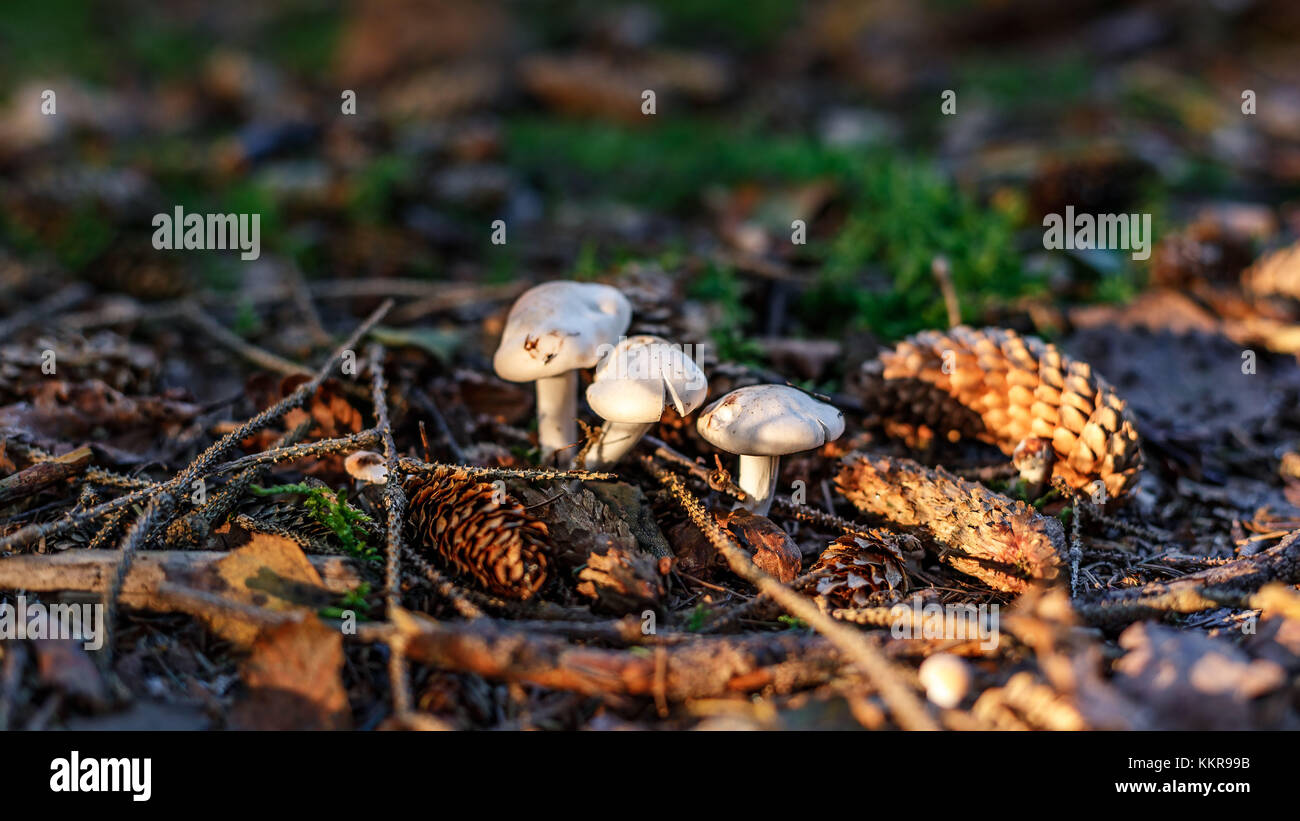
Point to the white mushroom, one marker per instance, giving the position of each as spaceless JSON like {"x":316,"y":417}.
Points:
{"x":367,"y":466}
{"x":761,"y":424}
{"x":552,"y":331}
{"x":632,"y":385}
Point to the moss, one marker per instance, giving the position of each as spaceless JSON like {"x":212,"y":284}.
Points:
{"x":876,"y":272}
{"x":332,"y":510}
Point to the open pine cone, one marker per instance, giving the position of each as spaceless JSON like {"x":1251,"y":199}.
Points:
{"x":1002,"y":388}
{"x":470,"y":529}
{"x":857,"y":565}
{"x":1275,"y":274}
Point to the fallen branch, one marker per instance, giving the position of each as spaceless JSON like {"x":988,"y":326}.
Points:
{"x":699,"y":669}
{"x":1236,"y":584}
{"x":88,"y":571}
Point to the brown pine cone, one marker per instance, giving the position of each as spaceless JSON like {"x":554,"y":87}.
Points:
{"x":857,"y":565}
{"x":999,"y":387}
{"x":460,"y":522}
{"x":622,"y":581}
{"x":1275,"y":274}
{"x":1005,"y":544}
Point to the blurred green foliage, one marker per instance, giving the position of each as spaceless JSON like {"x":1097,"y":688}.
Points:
{"x":875,"y":274}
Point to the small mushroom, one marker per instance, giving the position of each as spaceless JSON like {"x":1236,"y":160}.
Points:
{"x":367,"y":466}
{"x":762,"y":423}
{"x":630,"y":388}
{"x":552,"y":331}
{"x":1034,"y":457}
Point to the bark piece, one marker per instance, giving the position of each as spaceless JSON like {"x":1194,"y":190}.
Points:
{"x":1004,"y":543}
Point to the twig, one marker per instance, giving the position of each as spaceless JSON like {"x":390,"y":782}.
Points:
{"x":409,"y":465}
{"x":395,"y":505}
{"x":194,"y":528}
{"x":1235,"y":584}
{"x":162,"y":503}
{"x":94,"y":475}
{"x":429,"y":406}
{"x":701,"y":668}
{"x":302,"y":298}
{"x":290,"y":453}
{"x":908,"y":711}
{"x":260,"y":357}
{"x":56,"y":302}
{"x":443,"y":586}
{"x":86,"y":571}
{"x":35,"y":478}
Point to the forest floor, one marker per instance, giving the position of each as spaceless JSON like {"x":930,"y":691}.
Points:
{"x":175,"y":425}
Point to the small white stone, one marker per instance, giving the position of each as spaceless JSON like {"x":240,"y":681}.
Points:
{"x":946,"y":679}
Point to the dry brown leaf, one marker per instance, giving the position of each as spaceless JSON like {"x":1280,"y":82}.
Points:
{"x":294,"y":680}
{"x":774,"y":552}
{"x":1190,"y":681}
{"x":268,"y":572}
{"x":64,"y":664}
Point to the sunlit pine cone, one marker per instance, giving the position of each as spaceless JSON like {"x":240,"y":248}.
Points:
{"x":470,"y":528}
{"x":999,"y":387}
{"x":1275,"y":274}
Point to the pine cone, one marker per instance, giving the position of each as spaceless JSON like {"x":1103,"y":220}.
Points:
{"x":460,"y":522}
{"x":1003,"y":543}
{"x":1002,"y":388}
{"x":857,"y":565}
{"x":622,"y":581}
{"x":1275,"y":274}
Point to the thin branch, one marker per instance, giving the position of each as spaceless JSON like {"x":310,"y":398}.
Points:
{"x":165,"y":500}
{"x":395,"y":504}
{"x":909,"y":712}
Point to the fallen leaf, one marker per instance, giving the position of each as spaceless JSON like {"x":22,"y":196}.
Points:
{"x":1191,"y":681}
{"x":294,"y":682}
{"x":269,"y":572}
{"x":774,"y":552}
{"x":65,"y":665}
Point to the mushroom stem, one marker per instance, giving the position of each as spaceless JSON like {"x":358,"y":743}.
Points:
{"x":758,"y":475}
{"x":616,"y":439}
{"x":557,"y":413}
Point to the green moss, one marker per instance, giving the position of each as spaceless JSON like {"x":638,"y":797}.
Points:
{"x":375,"y":186}
{"x":1020,"y":82}
{"x":876,"y":272}
{"x":721,"y":286}
{"x":332,"y":510}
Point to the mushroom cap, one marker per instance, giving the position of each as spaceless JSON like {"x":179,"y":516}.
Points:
{"x":769,"y":420}
{"x":631,"y":380}
{"x":558,"y":327}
